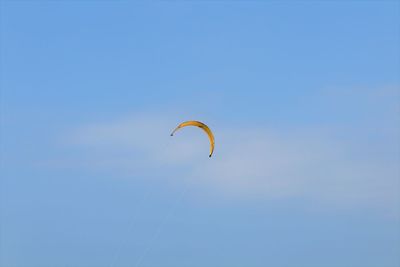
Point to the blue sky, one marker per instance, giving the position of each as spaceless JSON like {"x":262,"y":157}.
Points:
{"x":303,"y":97}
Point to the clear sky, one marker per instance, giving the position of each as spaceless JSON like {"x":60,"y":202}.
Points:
{"x":303,"y":98}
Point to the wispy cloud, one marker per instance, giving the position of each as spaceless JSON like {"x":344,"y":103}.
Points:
{"x":247,"y":163}
{"x":308,"y":163}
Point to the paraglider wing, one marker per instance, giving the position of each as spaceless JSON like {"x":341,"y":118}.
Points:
{"x":203,"y":127}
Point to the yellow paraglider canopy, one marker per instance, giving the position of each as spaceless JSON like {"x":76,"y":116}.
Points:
{"x":202,"y":126}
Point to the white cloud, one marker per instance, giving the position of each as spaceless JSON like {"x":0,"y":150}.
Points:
{"x":251,"y":162}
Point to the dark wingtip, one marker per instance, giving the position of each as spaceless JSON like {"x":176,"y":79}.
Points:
{"x":209,"y":156}
{"x":172,"y":134}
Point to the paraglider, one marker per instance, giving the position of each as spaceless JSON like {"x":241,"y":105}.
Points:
{"x":203,"y":127}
